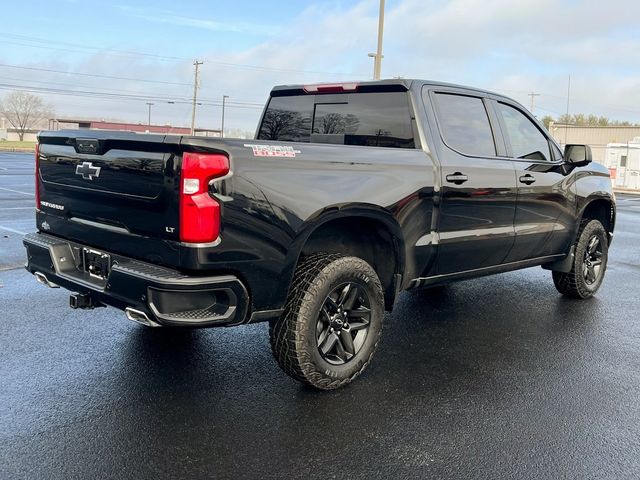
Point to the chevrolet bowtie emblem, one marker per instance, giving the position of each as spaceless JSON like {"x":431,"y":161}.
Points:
{"x":88,"y":171}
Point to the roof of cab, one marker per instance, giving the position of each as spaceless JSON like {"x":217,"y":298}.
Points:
{"x":406,"y":83}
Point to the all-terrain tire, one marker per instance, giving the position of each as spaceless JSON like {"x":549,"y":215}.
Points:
{"x":575,"y":284}
{"x":294,"y":337}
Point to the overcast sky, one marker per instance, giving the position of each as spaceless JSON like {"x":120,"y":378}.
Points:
{"x":511,"y":46}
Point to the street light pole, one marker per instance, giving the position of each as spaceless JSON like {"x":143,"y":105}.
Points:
{"x":377,"y":57}
{"x":149,"y":104}
{"x":224,"y":100}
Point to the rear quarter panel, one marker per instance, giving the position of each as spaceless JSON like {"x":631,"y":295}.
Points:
{"x":274,"y":203}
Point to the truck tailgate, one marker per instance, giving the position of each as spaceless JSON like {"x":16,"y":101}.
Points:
{"x":102,"y":186}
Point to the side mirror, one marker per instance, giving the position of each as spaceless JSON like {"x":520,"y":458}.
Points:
{"x":578,"y":155}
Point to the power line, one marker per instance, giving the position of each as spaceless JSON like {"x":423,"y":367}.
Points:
{"x":74,"y":85}
{"x":564,"y":98}
{"x":46,"y":44}
{"x":78,"y":48}
{"x":95,"y":75}
{"x":117,"y":96}
{"x":47,"y":82}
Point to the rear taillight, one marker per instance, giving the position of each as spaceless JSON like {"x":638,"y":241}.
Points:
{"x":37,"y":175}
{"x":199,"y":213}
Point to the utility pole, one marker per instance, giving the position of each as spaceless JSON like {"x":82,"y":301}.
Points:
{"x":533,"y":98}
{"x":149,"y":104}
{"x":224,"y":99}
{"x":377,"y":57}
{"x":196,"y":82}
{"x":566,"y":126}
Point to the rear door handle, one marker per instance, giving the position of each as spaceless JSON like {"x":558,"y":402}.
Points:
{"x":527,"y":179}
{"x":457,"y":178}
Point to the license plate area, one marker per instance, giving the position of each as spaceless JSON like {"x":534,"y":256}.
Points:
{"x":97,"y":264}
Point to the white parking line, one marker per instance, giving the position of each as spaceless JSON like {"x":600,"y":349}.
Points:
{"x":13,"y":230}
{"x":17,"y":191}
{"x":17,"y":208}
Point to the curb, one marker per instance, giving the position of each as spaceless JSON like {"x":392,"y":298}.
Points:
{"x":17,"y":149}
{"x":626,"y":192}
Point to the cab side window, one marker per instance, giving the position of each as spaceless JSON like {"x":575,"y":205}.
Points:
{"x":527,"y":141}
{"x":464,"y":124}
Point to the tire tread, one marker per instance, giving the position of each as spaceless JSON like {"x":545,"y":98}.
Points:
{"x":286,"y":334}
{"x":571,"y":284}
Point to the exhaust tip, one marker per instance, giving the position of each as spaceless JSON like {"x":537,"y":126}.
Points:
{"x":140,"y":317}
{"x":43,"y":280}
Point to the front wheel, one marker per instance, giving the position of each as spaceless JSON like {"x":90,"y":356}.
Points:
{"x":589,"y":263}
{"x":332,"y":321}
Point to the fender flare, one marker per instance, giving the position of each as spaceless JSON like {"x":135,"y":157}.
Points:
{"x":594,"y":197}
{"x":335,"y":212}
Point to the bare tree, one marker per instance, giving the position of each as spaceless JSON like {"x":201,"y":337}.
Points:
{"x":284,"y":125}
{"x":24,"y":111}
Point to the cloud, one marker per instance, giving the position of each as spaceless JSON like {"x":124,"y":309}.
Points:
{"x":513,"y":47}
{"x":171,"y":18}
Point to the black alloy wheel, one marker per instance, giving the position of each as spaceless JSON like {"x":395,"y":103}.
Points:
{"x":332,"y":321}
{"x":592,"y":264}
{"x":591,"y":251}
{"x":343,"y":323}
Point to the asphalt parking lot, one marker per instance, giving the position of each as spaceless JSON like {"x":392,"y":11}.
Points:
{"x":499,"y":377}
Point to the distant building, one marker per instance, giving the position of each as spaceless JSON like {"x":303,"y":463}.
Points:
{"x":64,"y":123}
{"x":598,"y":138}
{"x":8,"y":133}
{"x":623,"y":161}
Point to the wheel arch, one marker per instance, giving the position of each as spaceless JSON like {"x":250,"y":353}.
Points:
{"x":370,"y":231}
{"x":602,"y":208}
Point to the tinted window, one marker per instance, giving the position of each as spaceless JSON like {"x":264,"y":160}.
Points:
{"x":526,"y":140}
{"x":372,"y":119}
{"x":287,"y":118}
{"x":368,"y":119}
{"x":464,"y":124}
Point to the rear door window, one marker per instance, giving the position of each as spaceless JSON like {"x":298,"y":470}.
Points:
{"x":375,"y":119}
{"x":464,"y":124}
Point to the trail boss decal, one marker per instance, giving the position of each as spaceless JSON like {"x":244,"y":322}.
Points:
{"x":272,"y":150}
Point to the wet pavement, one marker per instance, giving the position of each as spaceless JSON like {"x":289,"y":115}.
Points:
{"x":499,"y":377}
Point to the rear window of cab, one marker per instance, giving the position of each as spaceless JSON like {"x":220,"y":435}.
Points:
{"x":374,"y":119}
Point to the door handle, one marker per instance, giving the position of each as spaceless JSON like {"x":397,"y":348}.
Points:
{"x":457,"y":178}
{"x":527,"y":179}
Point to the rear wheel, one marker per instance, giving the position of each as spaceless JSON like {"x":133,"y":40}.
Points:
{"x":332,"y":321}
{"x":589,"y":263}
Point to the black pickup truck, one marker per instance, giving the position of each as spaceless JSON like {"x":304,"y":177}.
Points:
{"x":349,"y":194}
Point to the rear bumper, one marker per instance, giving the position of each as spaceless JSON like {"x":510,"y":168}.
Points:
{"x":165,"y":296}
